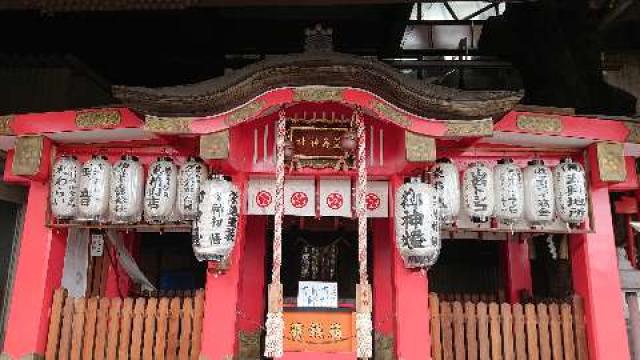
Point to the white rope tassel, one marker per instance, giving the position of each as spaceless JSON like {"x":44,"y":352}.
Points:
{"x":364,"y":331}
{"x":275,"y":334}
{"x":275,"y":322}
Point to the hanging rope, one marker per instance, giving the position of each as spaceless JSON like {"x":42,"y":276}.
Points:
{"x":274,"y":347}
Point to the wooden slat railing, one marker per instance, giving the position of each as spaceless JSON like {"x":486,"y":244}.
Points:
{"x":140,"y":328}
{"x":476,"y":330}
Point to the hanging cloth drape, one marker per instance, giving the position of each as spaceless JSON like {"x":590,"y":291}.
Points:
{"x":275,"y":322}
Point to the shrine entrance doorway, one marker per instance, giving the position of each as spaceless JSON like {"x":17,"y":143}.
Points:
{"x":319,"y":276}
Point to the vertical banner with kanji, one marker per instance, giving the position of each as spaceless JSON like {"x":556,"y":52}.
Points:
{"x":261,"y":196}
{"x":377,"y":199}
{"x":335,"y":197}
{"x":300,"y":197}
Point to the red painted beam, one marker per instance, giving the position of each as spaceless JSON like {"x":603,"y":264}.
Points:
{"x":65,"y":121}
{"x":518,"y":269}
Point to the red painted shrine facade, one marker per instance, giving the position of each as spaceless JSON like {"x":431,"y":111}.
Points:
{"x":232,"y":125}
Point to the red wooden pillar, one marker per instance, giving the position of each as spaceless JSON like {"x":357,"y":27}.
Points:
{"x":222,"y":289}
{"x":252,"y":284}
{"x":517,"y":269}
{"x":382,"y":279}
{"x":411,"y":299}
{"x":595,"y":276}
{"x":38,"y":274}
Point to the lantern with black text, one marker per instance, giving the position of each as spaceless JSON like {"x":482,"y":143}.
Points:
{"x":477,"y":188}
{"x":93,"y":189}
{"x":127,"y":186}
{"x":509,"y":191}
{"x":447,"y":182}
{"x":190,"y":177}
{"x":570,"y":186}
{"x":64,"y":188}
{"x":539,"y":198}
{"x":216,"y":224}
{"x":417,"y":223}
{"x":160,"y":191}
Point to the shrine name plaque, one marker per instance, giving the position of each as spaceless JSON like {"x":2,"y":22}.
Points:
{"x":317,"y":143}
{"x":319,"y":331}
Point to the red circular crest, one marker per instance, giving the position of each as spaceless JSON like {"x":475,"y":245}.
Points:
{"x":335,"y":201}
{"x":372,"y":201}
{"x":263,"y":198}
{"x":299,"y":199}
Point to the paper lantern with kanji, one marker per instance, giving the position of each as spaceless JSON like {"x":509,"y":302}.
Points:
{"x":217,"y":221}
{"x":417,"y":224}
{"x":570,"y":186}
{"x":509,"y":192}
{"x":160,"y":191}
{"x":192,"y":174}
{"x":127,"y":187}
{"x":64,"y":188}
{"x":478,"y":192}
{"x":447,"y":182}
{"x":93,"y":189}
{"x":539,"y":197}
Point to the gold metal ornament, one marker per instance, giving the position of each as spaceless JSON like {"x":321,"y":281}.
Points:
{"x":215,"y":146}
{"x":28,"y":155}
{"x":611,"y":164}
{"x":419,"y":148}
{"x":539,"y":123}
{"x":245,"y":112}
{"x":469,"y":128}
{"x":318,"y":94}
{"x":168,"y":125}
{"x":98,"y":119}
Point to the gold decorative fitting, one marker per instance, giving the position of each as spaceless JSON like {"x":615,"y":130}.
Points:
{"x":245,"y":112}
{"x":611,"y":164}
{"x":168,"y":125}
{"x":419,"y":148}
{"x":215,"y":146}
{"x":98,"y":119}
{"x":634,"y":133}
{"x":539,"y":123}
{"x":318,"y":94}
{"x":482,"y":127}
{"x":28,"y":154}
{"x":249,"y":344}
{"x":390,"y":113}
{"x":5,"y":125}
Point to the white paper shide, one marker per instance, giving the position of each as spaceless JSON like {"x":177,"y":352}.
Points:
{"x":478,"y":192}
{"x":417,"y":224}
{"x":127,"y":186}
{"x":192,"y":174}
{"x":217,"y":220}
{"x":509,"y":191}
{"x":64,"y":188}
{"x":160,"y":191}
{"x":570,"y":192}
{"x":93,"y":189}
{"x":539,"y":194}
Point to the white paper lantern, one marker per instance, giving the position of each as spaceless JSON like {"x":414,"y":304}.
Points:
{"x":192,"y":174}
{"x":127,"y":187}
{"x":417,"y":223}
{"x":478,"y":192}
{"x":570,"y":186}
{"x":539,"y":198}
{"x":447,"y":182}
{"x":64,"y":188}
{"x":93,"y":189}
{"x":160,"y":191}
{"x":509,"y":192}
{"x":217,"y":220}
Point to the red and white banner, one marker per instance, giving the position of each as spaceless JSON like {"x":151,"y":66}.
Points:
{"x":261,"y":196}
{"x":377,"y":199}
{"x":335,"y":197}
{"x":300,"y":197}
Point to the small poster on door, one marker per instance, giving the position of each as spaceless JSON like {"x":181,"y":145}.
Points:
{"x":317,"y":294}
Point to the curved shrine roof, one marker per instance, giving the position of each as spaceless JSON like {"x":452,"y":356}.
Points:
{"x":324,"y":68}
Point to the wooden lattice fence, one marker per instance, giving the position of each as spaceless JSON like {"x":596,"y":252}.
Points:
{"x":130,"y":328}
{"x":479,"y":330}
